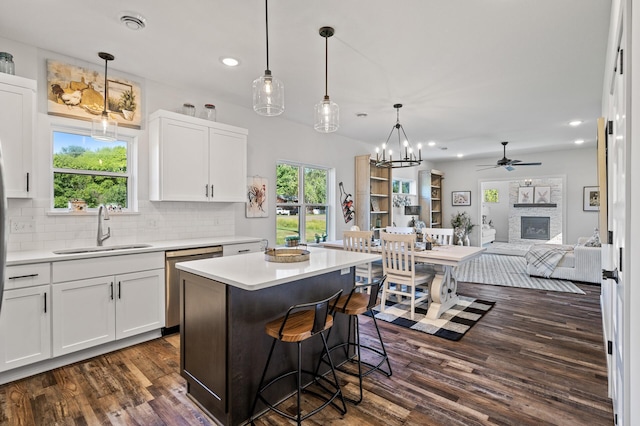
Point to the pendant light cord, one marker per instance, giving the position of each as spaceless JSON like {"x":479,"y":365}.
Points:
{"x":326,"y":67}
{"x":104,"y":112}
{"x":266,"y":16}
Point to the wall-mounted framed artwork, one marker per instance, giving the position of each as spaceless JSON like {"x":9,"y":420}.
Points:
{"x":525,"y":195}
{"x":257,"y":200}
{"x":591,"y":199}
{"x":460,"y":198}
{"x":76,"y":92}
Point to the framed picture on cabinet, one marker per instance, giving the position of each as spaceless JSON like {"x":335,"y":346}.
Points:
{"x":461,"y":198}
{"x":591,"y":199}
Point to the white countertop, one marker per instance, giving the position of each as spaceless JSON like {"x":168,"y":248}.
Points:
{"x":252,"y":272}
{"x":36,"y":256}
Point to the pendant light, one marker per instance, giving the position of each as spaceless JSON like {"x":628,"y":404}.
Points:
{"x":327,"y":113}
{"x":406,"y":156}
{"x":104,"y":128}
{"x":268,"y":91}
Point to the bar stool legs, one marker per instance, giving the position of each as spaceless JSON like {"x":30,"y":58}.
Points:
{"x":296,"y":326}
{"x":354,"y":304}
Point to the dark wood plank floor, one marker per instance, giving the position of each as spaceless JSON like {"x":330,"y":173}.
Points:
{"x":536,"y":358}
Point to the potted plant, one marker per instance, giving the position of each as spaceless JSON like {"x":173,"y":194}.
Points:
{"x":127,"y":104}
{"x":291,"y":240}
{"x":461,"y":223}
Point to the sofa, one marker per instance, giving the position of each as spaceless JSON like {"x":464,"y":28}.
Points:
{"x":488,"y":234}
{"x":579,"y":263}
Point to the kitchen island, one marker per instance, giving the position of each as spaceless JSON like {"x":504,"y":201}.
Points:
{"x":225,"y":304}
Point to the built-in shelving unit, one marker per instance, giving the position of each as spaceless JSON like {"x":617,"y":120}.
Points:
{"x":373,"y":194}
{"x":430,"y":197}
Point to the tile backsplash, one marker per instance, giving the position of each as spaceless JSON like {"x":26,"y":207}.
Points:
{"x":31,"y":227}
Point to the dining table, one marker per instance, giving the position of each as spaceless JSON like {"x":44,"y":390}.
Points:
{"x":444,"y":286}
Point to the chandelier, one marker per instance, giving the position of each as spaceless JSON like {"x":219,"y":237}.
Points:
{"x":406,"y":156}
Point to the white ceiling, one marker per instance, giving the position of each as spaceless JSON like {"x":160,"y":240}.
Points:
{"x":469,"y":73}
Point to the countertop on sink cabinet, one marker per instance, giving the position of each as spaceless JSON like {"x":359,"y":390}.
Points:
{"x":38,"y":256}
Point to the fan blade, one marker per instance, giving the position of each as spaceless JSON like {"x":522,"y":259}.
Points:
{"x":527,"y":164}
{"x":486,"y":168}
{"x":486,"y":165}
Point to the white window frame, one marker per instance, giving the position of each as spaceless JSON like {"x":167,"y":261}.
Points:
{"x":412,"y":186}
{"x":131,"y":175}
{"x":302,"y":205}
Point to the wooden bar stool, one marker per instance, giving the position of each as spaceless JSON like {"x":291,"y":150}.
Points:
{"x":360,"y":300}
{"x":300,"y":323}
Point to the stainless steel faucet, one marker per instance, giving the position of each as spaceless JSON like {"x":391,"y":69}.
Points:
{"x":103,"y":214}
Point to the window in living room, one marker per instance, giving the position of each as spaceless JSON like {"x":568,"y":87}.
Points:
{"x":491,"y":196}
{"x":302,"y":202}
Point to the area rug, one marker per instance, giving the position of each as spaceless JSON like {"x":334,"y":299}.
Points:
{"x":452,"y":325}
{"x":509,"y":271}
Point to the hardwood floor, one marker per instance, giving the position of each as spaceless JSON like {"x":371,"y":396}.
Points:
{"x":536,"y":358}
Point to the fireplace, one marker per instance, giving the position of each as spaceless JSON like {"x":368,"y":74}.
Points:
{"x":535,"y":228}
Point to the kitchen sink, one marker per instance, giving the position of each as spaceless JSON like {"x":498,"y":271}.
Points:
{"x":101,"y":248}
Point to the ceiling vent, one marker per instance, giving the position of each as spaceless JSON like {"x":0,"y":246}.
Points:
{"x":133,"y":21}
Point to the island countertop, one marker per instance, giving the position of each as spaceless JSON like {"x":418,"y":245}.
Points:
{"x":252,"y":272}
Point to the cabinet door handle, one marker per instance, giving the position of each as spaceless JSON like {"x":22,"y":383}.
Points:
{"x":211,"y":190}
{"x":206,"y":190}
{"x":119,"y":290}
{"x":111,"y":291}
{"x":23,"y":276}
{"x":45,"y":302}
{"x":244,"y":251}
{"x":27,"y":181}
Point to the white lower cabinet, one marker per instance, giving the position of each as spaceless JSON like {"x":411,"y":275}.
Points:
{"x":25,"y":326}
{"x":94,"y":311}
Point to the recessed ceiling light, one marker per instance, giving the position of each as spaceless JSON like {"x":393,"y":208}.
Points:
{"x":575,"y":123}
{"x":230,"y":62}
{"x":133,"y":20}
{"x":579,"y":141}
{"x":460,"y":155}
{"x":431,"y":143}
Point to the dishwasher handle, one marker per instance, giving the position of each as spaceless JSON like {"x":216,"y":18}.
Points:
{"x":194,"y":252}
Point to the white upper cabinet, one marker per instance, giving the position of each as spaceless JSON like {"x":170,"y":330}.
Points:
{"x":193,"y":159}
{"x":17,"y":124}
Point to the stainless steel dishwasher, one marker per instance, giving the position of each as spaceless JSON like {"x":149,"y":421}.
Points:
{"x":172,"y":282}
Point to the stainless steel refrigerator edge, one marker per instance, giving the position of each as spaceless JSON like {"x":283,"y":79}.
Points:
{"x":172,"y":282}
{"x":3,"y":228}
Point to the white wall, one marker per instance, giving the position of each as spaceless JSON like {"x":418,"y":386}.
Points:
{"x":270,"y":139}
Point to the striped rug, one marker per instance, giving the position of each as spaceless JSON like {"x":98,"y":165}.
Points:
{"x":509,"y":271}
{"x":452,"y":324}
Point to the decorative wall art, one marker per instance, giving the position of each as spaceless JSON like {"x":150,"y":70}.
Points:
{"x":348,"y":210}
{"x":78,"y":93}
{"x":591,"y":199}
{"x":525,"y":195}
{"x":461,"y":198}
{"x":542,"y":195}
{"x":257,"y":197}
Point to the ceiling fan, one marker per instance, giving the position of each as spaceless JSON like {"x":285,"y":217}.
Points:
{"x":507,"y":163}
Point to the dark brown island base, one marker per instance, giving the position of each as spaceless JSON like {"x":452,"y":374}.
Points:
{"x":225,"y":304}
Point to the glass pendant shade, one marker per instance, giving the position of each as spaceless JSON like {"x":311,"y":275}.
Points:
{"x":268,"y":95}
{"x":327,"y":116}
{"x":104,"y":128}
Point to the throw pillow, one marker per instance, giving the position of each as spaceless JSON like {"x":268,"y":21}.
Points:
{"x":593,"y":241}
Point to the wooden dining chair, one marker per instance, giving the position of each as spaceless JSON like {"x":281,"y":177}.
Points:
{"x":398,"y":264}
{"x":442,"y":236}
{"x":360,"y":241}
